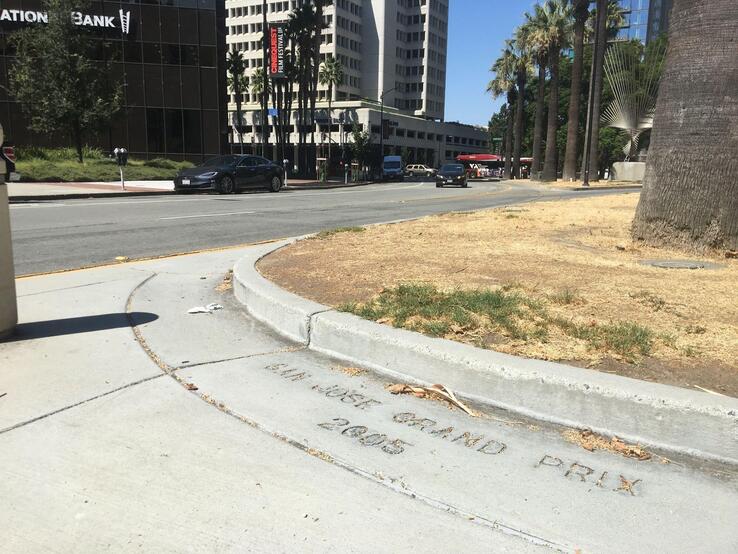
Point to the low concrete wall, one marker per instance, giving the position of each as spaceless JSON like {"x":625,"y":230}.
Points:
{"x":629,"y":171}
{"x":660,"y":416}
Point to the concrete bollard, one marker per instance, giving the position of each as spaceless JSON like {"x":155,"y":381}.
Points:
{"x":8,"y":306}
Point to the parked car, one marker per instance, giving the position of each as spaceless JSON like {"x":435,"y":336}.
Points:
{"x":229,"y":174}
{"x":7,"y":153}
{"x":392,"y":168}
{"x":416,"y":170}
{"x":452,"y":174}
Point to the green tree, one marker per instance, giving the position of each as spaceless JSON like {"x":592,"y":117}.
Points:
{"x":523,"y":65}
{"x":300,"y":26}
{"x":535,"y":38}
{"x":580,"y":9}
{"x":503,"y":83}
{"x":259,"y":81}
{"x":55,"y":79}
{"x":331,"y":75}
{"x":238,"y":83}
{"x":553,"y":30}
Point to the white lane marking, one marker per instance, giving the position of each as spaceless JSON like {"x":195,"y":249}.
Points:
{"x":16,"y":206}
{"x":123,"y":202}
{"x":205,"y":215}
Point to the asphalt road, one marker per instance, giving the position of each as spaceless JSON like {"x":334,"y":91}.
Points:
{"x":65,"y":234}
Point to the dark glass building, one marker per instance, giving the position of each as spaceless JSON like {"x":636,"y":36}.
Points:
{"x":169,"y":56}
{"x":658,"y":18}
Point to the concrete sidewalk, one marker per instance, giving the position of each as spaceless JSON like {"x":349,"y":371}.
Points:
{"x":27,"y":192}
{"x":127,"y":423}
{"x":23,"y":192}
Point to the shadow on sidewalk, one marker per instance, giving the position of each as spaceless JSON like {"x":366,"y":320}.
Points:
{"x":77,"y":325}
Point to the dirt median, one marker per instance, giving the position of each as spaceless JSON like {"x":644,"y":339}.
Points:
{"x":559,"y":281}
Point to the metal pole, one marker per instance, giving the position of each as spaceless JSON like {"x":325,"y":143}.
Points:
{"x":381,"y":126}
{"x":265,"y":92}
{"x":590,"y":101}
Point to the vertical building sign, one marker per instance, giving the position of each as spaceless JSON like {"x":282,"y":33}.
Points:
{"x":276,"y":51}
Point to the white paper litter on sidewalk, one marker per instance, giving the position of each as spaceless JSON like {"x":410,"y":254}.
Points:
{"x":209,"y":309}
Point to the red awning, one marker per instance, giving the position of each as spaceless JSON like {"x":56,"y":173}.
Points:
{"x":478,"y":158}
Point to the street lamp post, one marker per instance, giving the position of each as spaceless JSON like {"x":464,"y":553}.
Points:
{"x":590,"y":111}
{"x":381,"y":121}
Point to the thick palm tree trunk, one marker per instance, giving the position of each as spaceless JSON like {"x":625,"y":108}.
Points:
{"x":538,"y":125}
{"x":508,"y":138}
{"x":581,"y":15}
{"x":690,"y":191}
{"x":519,"y":109}
{"x":550,"y":166}
{"x":598,"y":78}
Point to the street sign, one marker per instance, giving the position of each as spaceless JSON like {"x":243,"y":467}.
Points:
{"x":273,"y":111}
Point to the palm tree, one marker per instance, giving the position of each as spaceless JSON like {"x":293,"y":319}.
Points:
{"x":690,"y":191}
{"x":300,"y":28}
{"x":522,"y":67}
{"x":317,"y":27}
{"x":607,"y":29}
{"x":259,"y":80}
{"x":331,"y":75}
{"x":238,"y":83}
{"x":553,"y":30}
{"x":539,"y":53}
{"x":504,"y":69}
{"x":580,"y":10}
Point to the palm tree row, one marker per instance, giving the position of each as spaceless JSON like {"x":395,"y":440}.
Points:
{"x":552,"y":27}
{"x":303,"y":69}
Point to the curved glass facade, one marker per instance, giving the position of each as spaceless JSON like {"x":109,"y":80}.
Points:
{"x":169,"y":56}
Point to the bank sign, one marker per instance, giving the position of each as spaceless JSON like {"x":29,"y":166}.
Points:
{"x":122,"y":21}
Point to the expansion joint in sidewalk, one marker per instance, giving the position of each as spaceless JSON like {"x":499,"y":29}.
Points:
{"x":80,"y":403}
{"x":244,"y":357}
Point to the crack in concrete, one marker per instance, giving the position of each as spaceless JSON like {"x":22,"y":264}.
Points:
{"x":67,"y":288}
{"x":80,"y":403}
{"x":310,"y":324}
{"x":244,"y":357}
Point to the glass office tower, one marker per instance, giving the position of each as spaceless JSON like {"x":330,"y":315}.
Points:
{"x":635,"y":13}
{"x":169,"y":55}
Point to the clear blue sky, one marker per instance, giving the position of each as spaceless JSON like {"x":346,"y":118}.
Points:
{"x":477,"y":31}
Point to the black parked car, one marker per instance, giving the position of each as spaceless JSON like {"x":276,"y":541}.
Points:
{"x":228,"y":174}
{"x":451,"y":174}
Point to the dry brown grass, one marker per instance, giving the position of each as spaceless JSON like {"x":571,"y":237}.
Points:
{"x":574,"y":256}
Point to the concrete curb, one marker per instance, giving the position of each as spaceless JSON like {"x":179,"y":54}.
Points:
{"x":658,"y":416}
{"x":81,"y":195}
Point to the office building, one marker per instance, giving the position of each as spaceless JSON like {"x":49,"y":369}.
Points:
{"x":644,"y":20}
{"x":168,"y":55}
{"x":635,"y":20}
{"x":658,"y":18}
{"x":391,"y":50}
